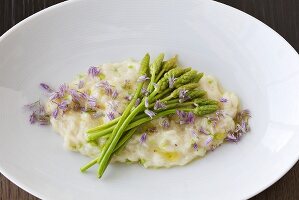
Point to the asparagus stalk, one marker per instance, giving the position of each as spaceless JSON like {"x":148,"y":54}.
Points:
{"x":118,"y":147}
{"x":114,"y":138}
{"x":168,"y":65}
{"x":199,"y":111}
{"x":176,"y":72}
{"x":118,"y":131}
{"x":170,"y":82}
{"x":162,"y":84}
{"x":114,"y":121}
{"x":96,"y":135}
{"x":154,"y":70}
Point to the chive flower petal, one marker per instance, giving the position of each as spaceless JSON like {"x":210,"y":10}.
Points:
{"x":106,"y":86}
{"x":92,"y":101}
{"x":185,"y":117}
{"x":137,"y":102}
{"x":165,"y":123}
{"x":183,"y":95}
{"x":159,"y":105}
{"x":32,"y":118}
{"x":63,"y":105}
{"x":203,"y":131}
{"x":110,"y":116}
{"x":171,"y":81}
{"x":55,"y":113}
{"x":223,"y":100}
{"x":150,"y":113}
{"x":114,"y":94}
{"x":195,"y":146}
{"x":142,"y":78}
{"x":144,"y":92}
{"x":128,"y":97}
{"x":143,"y":138}
{"x":46,"y":87}
{"x":93,"y":71}
{"x":208,"y":140}
{"x":80,"y":84}
{"x":146,"y":103}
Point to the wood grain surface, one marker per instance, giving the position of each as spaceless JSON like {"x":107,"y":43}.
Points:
{"x":281,"y":15}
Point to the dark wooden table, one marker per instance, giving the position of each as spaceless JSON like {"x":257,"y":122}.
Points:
{"x":281,"y":15}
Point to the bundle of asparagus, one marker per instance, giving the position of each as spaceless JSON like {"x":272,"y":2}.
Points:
{"x":171,"y":89}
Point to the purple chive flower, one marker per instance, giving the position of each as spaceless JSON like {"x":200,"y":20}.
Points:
{"x":33,"y":106}
{"x":40,"y":110}
{"x":209,"y":140}
{"x":76,"y":96}
{"x":203,"y":131}
{"x":113,"y":105}
{"x":63,"y":105}
{"x":213,"y":121}
{"x":46,"y":87}
{"x":171,"y":81}
{"x":232,"y":138}
{"x":84,"y":109}
{"x":43,"y":119}
{"x":245,"y":113}
{"x":110,"y":116}
{"x":114,"y":94}
{"x":159,"y":105}
{"x":142,"y":78}
{"x":54,"y":95}
{"x":150,"y":113}
{"x":55,"y":113}
{"x":128,"y":97}
{"x":165,"y":123}
{"x":80,"y":84}
{"x":183,"y":95}
{"x":190,"y":118}
{"x":195,"y":146}
{"x":146,"y":103}
{"x":223,"y":100}
{"x":219,"y":114}
{"x":143,"y":138}
{"x":238,"y":129}
{"x":155,"y":85}
{"x":245,"y":126}
{"x":38,"y":113}
{"x":63,"y":89}
{"x":106,"y":86}
{"x":242,"y":129}
{"x":194,"y":133}
{"x":185,"y":117}
{"x":32,"y":118}
{"x":93,"y":71}
{"x":92,"y":101}
{"x":61,"y":92}
{"x":83,"y":95}
{"x":137,"y":102}
{"x":144,"y":92}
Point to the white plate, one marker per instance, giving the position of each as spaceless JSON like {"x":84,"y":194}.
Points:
{"x":248,"y":57}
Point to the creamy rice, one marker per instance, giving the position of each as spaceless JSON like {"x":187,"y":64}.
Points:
{"x":164,"y":147}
